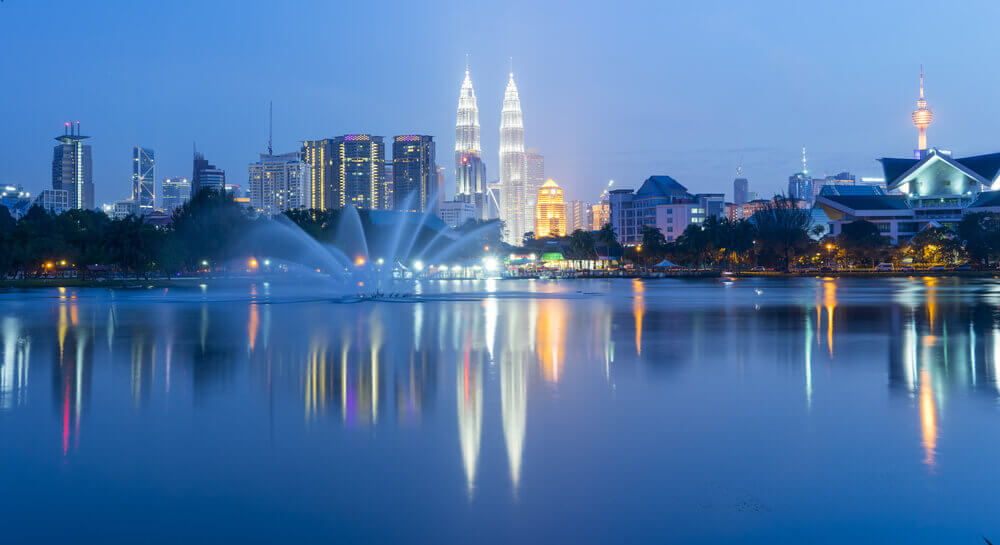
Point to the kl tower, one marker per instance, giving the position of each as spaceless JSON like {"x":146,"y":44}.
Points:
{"x":922,"y":117}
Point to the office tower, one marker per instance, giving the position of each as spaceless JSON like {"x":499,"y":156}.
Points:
{"x":414,"y":173}
{"x":174,"y":192}
{"x":922,"y":117}
{"x":577,"y":216}
{"x":741,"y":187}
{"x":143,"y":179}
{"x":470,"y":171}
{"x":278,"y":183}
{"x":206,"y":176}
{"x":512,"y":167}
{"x":550,"y":211}
{"x":72,"y":168}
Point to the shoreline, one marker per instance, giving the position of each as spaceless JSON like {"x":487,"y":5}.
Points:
{"x":192,"y":282}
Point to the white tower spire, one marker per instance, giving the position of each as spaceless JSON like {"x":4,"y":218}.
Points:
{"x":513,"y":166}
{"x":469,"y":170}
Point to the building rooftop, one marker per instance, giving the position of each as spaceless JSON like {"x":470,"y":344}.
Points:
{"x":986,"y":199}
{"x":661,"y":186}
{"x":868,"y":202}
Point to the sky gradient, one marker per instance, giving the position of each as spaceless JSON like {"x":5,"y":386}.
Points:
{"x":622,"y":90}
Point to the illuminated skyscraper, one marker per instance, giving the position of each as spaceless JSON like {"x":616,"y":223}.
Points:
{"x":72,"y":168}
{"x":513,"y":168}
{"x":922,"y":117}
{"x":470,"y":172}
{"x":345,"y":170}
{"x":414,"y":173}
{"x":320,"y":194}
{"x":550,"y":211}
{"x":143,"y":179}
{"x":358,"y":163}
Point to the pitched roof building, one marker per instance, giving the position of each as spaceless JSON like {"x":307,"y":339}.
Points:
{"x":936,"y":188}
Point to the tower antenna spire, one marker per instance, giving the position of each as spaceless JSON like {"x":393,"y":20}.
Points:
{"x":270,"y":126}
{"x":804,"y":169}
{"x":739,"y":167}
{"x":921,"y":81}
{"x":466,"y":63}
{"x":510,"y":63}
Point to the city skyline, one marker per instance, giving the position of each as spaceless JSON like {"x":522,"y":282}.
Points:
{"x":679,"y":119}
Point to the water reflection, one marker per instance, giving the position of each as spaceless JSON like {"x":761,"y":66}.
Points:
{"x":380,"y":367}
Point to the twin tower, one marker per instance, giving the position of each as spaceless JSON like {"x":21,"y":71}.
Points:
{"x":509,"y":201}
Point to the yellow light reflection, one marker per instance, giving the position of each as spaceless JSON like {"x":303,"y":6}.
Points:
{"x":551,"y":337}
{"x":928,"y":418}
{"x":830,"y":302}
{"x":638,"y":310}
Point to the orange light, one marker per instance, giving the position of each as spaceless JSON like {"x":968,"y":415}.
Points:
{"x":253,"y":263}
{"x":359,"y":261}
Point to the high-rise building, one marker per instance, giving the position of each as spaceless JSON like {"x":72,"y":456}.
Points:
{"x":346,"y":170}
{"x":741,"y":190}
{"x":799,"y":187}
{"x":439,"y":184}
{"x":600,"y":215}
{"x":922,"y":118}
{"x":470,"y":172}
{"x":320,"y":193}
{"x":577,"y":213}
{"x":512,"y":167}
{"x":550,"y":211}
{"x":414,"y":173}
{"x":143,"y":179}
{"x":278,"y":183}
{"x":358,"y":161}
{"x":174,"y":192}
{"x":534,"y":177}
{"x":205,"y":175}
{"x":72,"y":167}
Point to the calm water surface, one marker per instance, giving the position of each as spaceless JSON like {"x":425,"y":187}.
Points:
{"x":799,"y":410}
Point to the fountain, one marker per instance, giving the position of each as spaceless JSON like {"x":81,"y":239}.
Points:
{"x":366,"y":258}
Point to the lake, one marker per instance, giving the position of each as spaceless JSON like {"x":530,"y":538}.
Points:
{"x":619,"y":411}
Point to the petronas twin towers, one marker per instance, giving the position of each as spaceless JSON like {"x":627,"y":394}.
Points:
{"x":470,"y":172}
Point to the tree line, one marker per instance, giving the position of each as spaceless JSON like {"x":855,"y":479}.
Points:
{"x":782,"y":236}
{"x":209,"y":231}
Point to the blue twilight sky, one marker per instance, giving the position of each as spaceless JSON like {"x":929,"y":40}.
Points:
{"x":618,"y":90}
